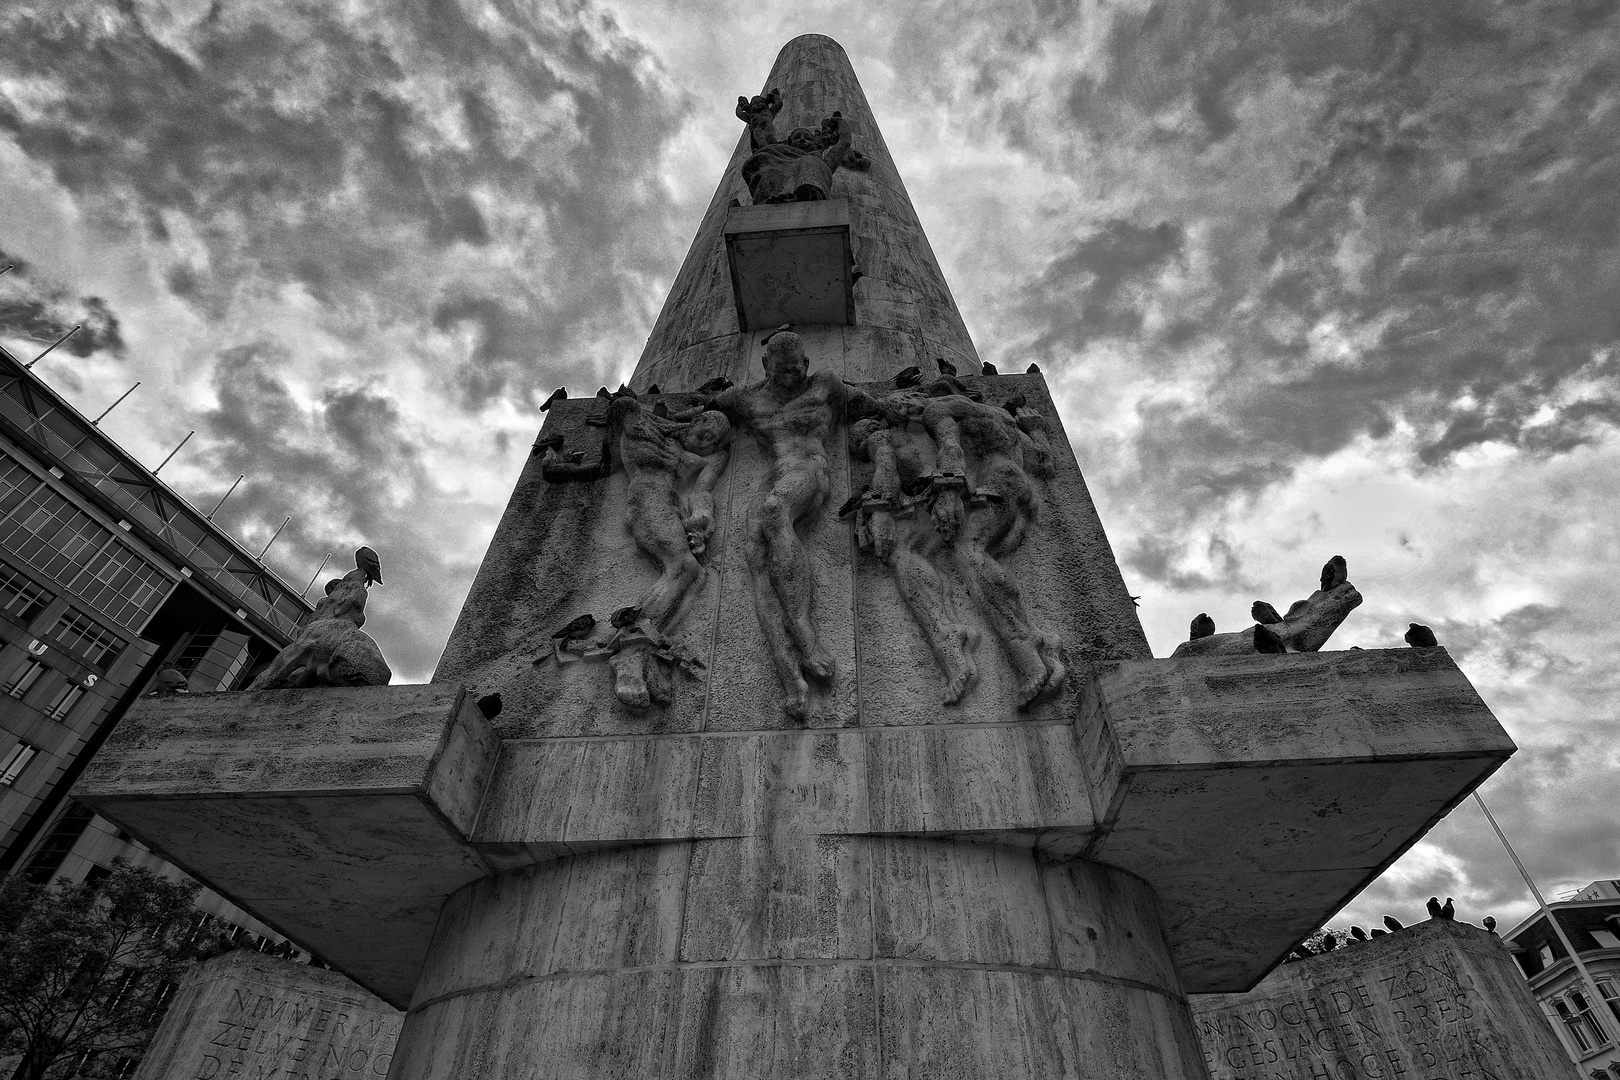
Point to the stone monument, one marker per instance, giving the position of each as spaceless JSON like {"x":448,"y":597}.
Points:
{"x":877,"y":777}
{"x":245,"y":1015}
{"x":1438,"y":1001}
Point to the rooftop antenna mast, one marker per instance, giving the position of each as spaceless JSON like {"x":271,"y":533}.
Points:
{"x":225,"y":496}
{"x":97,"y":421}
{"x":318,"y":570}
{"x":273,"y":536}
{"x":173,"y":452}
{"x":52,"y":345}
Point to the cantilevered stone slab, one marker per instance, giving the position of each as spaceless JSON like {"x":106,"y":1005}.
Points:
{"x":1258,"y":794}
{"x":790,"y":263}
{"x":337,"y":816}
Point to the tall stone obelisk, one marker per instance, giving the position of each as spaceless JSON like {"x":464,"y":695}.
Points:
{"x":831,"y":745}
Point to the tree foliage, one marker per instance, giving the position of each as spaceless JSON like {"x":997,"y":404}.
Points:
{"x":87,"y":969}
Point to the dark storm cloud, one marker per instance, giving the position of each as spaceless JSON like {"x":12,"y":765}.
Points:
{"x":44,"y":315}
{"x":350,"y":472}
{"x":377,"y":164}
{"x":1350,"y":217}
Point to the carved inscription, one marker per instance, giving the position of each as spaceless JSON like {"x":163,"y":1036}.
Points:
{"x":1421,"y":1021}
{"x":291,"y":1036}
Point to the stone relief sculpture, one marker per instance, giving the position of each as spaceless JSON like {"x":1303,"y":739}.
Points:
{"x":951,"y":496}
{"x":662,"y":455}
{"x":1306,"y":628}
{"x":331,"y":649}
{"x":800,"y":167}
{"x":893,"y":525}
{"x":790,"y":414}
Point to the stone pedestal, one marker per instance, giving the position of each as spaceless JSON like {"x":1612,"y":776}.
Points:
{"x":1436,"y":1001}
{"x":809,"y":958}
{"x":248,"y":1015}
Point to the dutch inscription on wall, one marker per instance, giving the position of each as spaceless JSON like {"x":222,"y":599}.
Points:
{"x":1433,"y":1007}
{"x":259,"y":1019}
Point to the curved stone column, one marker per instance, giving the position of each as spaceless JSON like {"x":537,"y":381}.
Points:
{"x":850,"y":957}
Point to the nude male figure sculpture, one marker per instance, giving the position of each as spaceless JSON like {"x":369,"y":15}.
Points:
{"x":790,"y":414}
{"x":973,"y":541}
{"x":671,"y":526}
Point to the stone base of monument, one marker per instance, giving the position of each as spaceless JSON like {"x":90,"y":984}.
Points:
{"x":249,"y":1015}
{"x":1436,"y":1001}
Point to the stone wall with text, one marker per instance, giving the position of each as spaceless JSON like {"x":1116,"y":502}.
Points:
{"x":245,"y":1016}
{"x":1436,"y":1001}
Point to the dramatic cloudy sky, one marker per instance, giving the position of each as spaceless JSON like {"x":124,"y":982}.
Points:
{"x":1308,"y":277}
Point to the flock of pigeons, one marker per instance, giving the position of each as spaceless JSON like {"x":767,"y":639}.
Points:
{"x":1330,"y":941}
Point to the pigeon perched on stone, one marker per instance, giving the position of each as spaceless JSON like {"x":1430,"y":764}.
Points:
{"x":1448,"y":910}
{"x":1303,"y":952}
{"x":1202,"y":626}
{"x":1490,"y":923}
{"x":1393,"y":923}
{"x":624,"y":391}
{"x":366,"y":559}
{"x":945,"y":366}
{"x":1033,"y":369}
{"x":715,"y":385}
{"x":1358,"y":933}
{"x":1329,"y":943}
{"x":559,"y":394}
{"x":1378,"y":933}
{"x":1267,"y":640}
{"x":603,"y":392}
{"x":625,"y":616}
{"x":1264,"y":613}
{"x":1420,"y":637}
{"x":987,"y":368}
{"x":1334,"y":573}
{"x":576,"y":628}
{"x":1434,"y":907}
{"x":653,"y":389}
{"x":907,"y":377}
{"x":661,"y":409}
{"x":490,"y":705}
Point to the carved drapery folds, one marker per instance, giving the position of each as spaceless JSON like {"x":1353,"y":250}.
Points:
{"x":799,"y":168}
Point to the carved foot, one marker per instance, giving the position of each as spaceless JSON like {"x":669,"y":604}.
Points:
{"x":961,"y":670}
{"x":630,"y":678}
{"x":819,"y":664}
{"x":796,"y":701}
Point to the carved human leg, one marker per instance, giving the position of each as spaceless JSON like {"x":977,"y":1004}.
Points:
{"x":952,"y":640}
{"x":796,"y":496}
{"x":653,"y":515}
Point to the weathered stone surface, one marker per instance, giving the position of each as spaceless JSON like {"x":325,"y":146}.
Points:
{"x":249,"y":1015}
{"x":337,"y":816}
{"x":1439,"y":1000}
{"x":1258,"y":793}
{"x":790,"y":264}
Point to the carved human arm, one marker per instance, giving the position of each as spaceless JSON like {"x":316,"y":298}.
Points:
{"x":843,"y":137}
{"x":950,"y":475}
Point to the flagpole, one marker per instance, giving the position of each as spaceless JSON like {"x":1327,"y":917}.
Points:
{"x":1599,"y":1003}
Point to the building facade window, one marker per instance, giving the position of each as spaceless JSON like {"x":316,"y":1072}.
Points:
{"x":1577,"y":1013}
{"x":87,"y":641}
{"x":15,"y":761}
{"x":1605,"y":939}
{"x":55,"y":537}
{"x":1611,"y":996}
{"x":21,"y":597}
{"x":62,"y":704}
{"x":24,"y":678}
